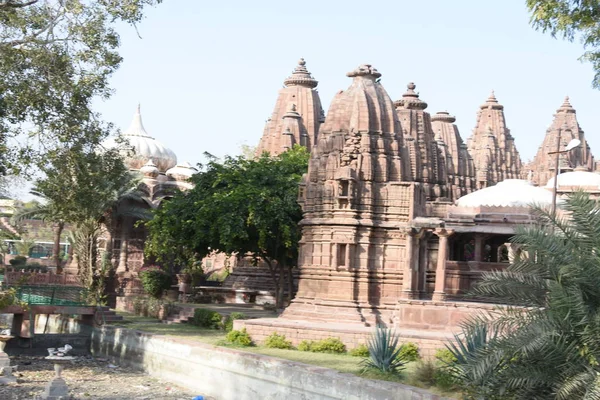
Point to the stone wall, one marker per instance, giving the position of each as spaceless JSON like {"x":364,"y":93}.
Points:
{"x":232,"y":374}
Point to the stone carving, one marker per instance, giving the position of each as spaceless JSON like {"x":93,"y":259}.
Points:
{"x":297,"y":115}
{"x":492,"y":146}
{"x":460,"y":169}
{"x":581,"y":158}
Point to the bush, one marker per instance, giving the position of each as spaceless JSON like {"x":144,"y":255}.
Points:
{"x":149,"y":307}
{"x":18,"y":261}
{"x":445,"y":356}
{"x":155,"y":281}
{"x":409,"y":352}
{"x":207,"y":319}
{"x":425,"y":373}
{"x":360,"y":351}
{"x":228,"y":324}
{"x":329,"y":345}
{"x":275,"y":341}
{"x":305,"y":345}
{"x":383,"y":352}
{"x":240,"y":338}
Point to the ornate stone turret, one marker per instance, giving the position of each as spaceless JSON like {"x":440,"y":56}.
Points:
{"x":426,"y":161}
{"x":460,"y":169}
{"x":581,"y":158}
{"x":355,"y":200}
{"x":287,"y":127}
{"x":492,"y":146}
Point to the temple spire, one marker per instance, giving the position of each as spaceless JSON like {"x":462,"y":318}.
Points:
{"x":136,"y":128}
{"x":300,"y":76}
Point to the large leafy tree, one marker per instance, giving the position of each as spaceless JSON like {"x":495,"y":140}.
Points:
{"x":244,"y":206}
{"x":56,"y":56}
{"x":546,"y":344}
{"x":571,"y":19}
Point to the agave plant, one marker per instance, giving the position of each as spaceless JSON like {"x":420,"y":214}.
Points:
{"x":384,"y":352}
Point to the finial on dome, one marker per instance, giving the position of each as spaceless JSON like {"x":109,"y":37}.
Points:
{"x":492,"y":102}
{"x":366,"y":70}
{"x":137,"y":127}
{"x":492,"y":98}
{"x":291,"y":112}
{"x":443,"y":116}
{"x":566,"y":106}
{"x":301,"y":77}
{"x":410,"y":99}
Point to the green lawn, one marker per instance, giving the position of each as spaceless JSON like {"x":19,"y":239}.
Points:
{"x":340,"y":362}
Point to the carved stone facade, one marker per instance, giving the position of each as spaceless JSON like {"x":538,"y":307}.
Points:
{"x":427,"y":163}
{"x":492,"y":146}
{"x":564,"y":124}
{"x":460,"y":169}
{"x":297,"y":115}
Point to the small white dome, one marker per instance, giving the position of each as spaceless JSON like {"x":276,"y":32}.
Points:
{"x":150,"y":170}
{"x":181,"y":171}
{"x":508,"y":193}
{"x":144,"y":147}
{"x":576,"y":178}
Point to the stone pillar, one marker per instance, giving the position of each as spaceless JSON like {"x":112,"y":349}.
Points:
{"x":439,"y":293}
{"x":409,"y":278}
{"x":122,"y":267}
{"x":479,"y":239}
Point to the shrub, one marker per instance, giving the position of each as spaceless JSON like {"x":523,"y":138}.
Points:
{"x":228,"y":324}
{"x":18,"y":261}
{"x":207,"y":318}
{"x":151,"y":307}
{"x":425,"y":373}
{"x":445,"y":356}
{"x":155,"y":281}
{"x":409,"y":352}
{"x":360,"y":351}
{"x":276,"y":341}
{"x":383,"y":352}
{"x":305,"y":345}
{"x":329,"y":345}
{"x":240,"y":338}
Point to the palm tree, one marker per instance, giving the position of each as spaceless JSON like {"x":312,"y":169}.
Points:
{"x":550,"y":342}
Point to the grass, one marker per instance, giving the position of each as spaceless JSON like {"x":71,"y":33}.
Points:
{"x":340,"y":362}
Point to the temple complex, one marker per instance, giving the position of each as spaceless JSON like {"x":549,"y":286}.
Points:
{"x":460,"y":169}
{"x":297,"y":115}
{"x":564,"y":128}
{"x":492,"y":146}
{"x":427,"y":165}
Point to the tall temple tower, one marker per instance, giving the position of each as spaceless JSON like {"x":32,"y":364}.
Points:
{"x":580,"y":158}
{"x":460,"y":168}
{"x":426,"y":162}
{"x":492,"y":146}
{"x":357,"y":207}
{"x":297,"y":115}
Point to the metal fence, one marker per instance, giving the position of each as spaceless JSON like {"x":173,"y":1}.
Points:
{"x":52,"y":295}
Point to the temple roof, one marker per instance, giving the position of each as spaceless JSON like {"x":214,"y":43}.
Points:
{"x":576,"y":178}
{"x":492,"y":103}
{"x":182,"y":171}
{"x":566,"y":107}
{"x":410,"y":99}
{"x":443,"y":116}
{"x":300,"y":76}
{"x":508,"y":193}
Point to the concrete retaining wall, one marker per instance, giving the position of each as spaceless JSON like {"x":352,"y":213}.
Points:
{"x":228,"y":374}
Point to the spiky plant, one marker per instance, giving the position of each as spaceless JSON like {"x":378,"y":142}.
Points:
{"x":383,"y":352}
{"x":550,"y":342}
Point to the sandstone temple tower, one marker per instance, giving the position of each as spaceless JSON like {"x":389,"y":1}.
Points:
{"x":492,"y":146}
{"x":297,"y":115}
{"x":426,"y":161}
{"x":580,"y":158}
{"x":357,"y":207}
{"x":460,"y":168}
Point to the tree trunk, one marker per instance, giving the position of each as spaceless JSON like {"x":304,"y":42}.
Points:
{"x":58,"y":230}
{"x":277,"y":281}
{"x":290,"y":283}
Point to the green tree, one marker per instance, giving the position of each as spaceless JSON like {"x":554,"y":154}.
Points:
{"x":571,"y":19}
{"x":550,"y":342}
{"x":56,"y":56}
{"x":244,"y":206}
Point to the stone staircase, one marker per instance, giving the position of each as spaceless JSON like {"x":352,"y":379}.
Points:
{"x":107,"y":315}
{"x":183,"y":316}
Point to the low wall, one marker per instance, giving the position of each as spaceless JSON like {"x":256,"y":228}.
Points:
{"x":228,"y":374}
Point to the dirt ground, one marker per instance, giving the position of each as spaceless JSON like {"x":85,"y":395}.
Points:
{"x":90,"y":378}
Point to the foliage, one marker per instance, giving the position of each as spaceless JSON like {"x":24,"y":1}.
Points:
{"x":445,"y":356}
{"x":551,"y":347}
{"x":305,"y":345}
{"x":383,"y":352}
{"x":360,"y":351}
{"x":18,"y":261}
{"x":228,"y":323}
{"x":207,"y":319}
{"x":8,"y":297}
{"x":428,"y":373}
{"x":244,"y":206}
{"x":571,"y":19}
{"x":92,"y":268}
{"x":276,"y":341}
{"x":328,"y":345}
{"x":155,"y":280}
{"x":240,"y":338}
{"x":409,"y":352}
{"x":56,"y":57}
{"x":151,"y":307}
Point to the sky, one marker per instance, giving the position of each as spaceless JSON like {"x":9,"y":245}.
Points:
{"x":207,"y":73}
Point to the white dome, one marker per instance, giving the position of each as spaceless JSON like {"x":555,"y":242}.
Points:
{"x":508,"y":193}
{"x":576,"y":178}
{"x":181,"y":171}
{"x":144,"y":146}
{"x":149,"y":169}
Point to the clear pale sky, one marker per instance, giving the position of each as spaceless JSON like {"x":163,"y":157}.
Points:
{"x":207,"y":72}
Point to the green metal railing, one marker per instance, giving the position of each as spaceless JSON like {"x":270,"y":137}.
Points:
{"x":52,"y":295}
